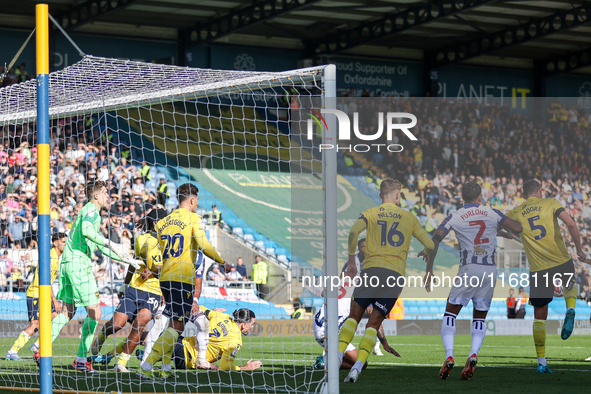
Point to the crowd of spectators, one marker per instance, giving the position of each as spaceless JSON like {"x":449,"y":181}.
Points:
{"x":79,"y":152}
{"x":459,"y":140}
{"x":14,"y":75}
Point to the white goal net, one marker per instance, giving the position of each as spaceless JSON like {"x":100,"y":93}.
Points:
{"x":147,"y":129}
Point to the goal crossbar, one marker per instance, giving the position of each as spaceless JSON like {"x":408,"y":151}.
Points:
{"x":116,"y":84}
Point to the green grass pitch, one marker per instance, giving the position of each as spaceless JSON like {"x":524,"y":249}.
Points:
{"x":506,"y":364}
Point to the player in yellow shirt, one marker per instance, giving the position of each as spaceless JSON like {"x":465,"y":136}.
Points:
{"x":141,"y":296}
{"x":389,"y":231}
{"x":59,"y":241}
{"x":225,"y":341}
{"x":181,"y":239}
{"x":548,"y":259}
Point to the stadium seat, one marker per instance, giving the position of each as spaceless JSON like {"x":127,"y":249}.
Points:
{"x":270,"y":251}
{"x":424,"y":310}
{"x":249,"y":238}
{"x":259,"y":245}
{"x":159,"y":176}
{"x":238,"y":232}
{"x":171,"y":203}
{"x":283,"y":258}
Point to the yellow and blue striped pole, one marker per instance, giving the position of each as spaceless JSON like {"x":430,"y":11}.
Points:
{"x":43,"y":198}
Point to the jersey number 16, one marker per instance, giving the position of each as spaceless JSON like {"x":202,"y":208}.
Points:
{"x":389,"y":237}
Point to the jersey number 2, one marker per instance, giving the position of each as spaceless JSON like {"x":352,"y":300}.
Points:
{"x":391,"y":234}
{"x":478,"y":240}
{"x":170,"y":245}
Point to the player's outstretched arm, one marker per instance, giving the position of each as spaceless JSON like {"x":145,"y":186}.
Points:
{"x":384,"y":342}
{"x":111,"y":249}
{"x":511,"y":225}
{"x":252,"y":365}
{"x":573,"y":229}
{"x":429,"y":255}
{"x":358,"y":227}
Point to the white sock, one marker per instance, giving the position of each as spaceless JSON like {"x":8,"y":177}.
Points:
{"x":478,"y":333}
{"x":146,"y":366}
{"x":166,"y":367}
{"x":160,"y":324}
{"x":569,"y":308}
{"x":81,"y":359}
{"x":448,"y":332}
{"x":202,"y":338}
{"x":377,"y":346}
{"x":542,"y":360}
{"x":358,"y":366}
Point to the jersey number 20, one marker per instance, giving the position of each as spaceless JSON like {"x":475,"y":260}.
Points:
{"x":171,"y":244}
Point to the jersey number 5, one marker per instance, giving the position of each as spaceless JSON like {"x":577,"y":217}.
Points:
{"x":535,"y":227}
{"x":478,"y":240}
{"x":389,"y":237}
{"x":171,"y":244}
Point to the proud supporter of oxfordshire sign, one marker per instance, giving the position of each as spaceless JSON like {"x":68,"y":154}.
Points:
{"x":344,"y":129}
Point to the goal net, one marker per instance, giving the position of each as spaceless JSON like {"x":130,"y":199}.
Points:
{"x":240,"y":137}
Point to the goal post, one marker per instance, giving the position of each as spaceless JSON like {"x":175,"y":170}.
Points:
{"x":230,"y":133}
{"x":45,"y":365}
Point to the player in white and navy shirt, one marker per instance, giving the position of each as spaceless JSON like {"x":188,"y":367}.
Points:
{"x":476,"y":227}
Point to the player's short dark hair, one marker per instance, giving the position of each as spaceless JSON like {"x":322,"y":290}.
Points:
{"x":93,"y":187}
{"x":530,"y":187}
{"x":147,"y":222}
{"x":243,"y":315}
{"x":471,"y":191}
{"x":58,"y":236}
{"x":390,"y":185}
{"x":186,"y":190}
{"x":359,"y":242}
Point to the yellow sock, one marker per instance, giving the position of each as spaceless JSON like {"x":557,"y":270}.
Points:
{"x":366,"y":345}
{"x":120,"y":345}
{"x":101,"y":335}
{"x":347,"y":333}
{"x":539,"y":337}
{"x":570,"y":296}
{"x":163,"y":347}
{"x":123,"y":359}
{"x":20,"y":342}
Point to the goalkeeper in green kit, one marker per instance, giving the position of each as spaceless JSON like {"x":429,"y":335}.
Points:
{"x":78,"y":285}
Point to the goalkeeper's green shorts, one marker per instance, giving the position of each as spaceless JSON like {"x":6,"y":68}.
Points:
{"x":78,"y":285}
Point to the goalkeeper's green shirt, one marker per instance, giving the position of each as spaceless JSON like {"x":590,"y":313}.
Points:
{"x":85,"y":237}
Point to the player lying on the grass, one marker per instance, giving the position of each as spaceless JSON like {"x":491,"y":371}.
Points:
{"x":142,"y":295}
{"x":389,"y":232}
{"x":181,"y":239}
{"x":476,"y":228}
{"x":225,"y":340}
{"x":344,"y":308}
{"x":59,"y":241}
{"x":78,"y":285}
{"x":548,"y":260}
